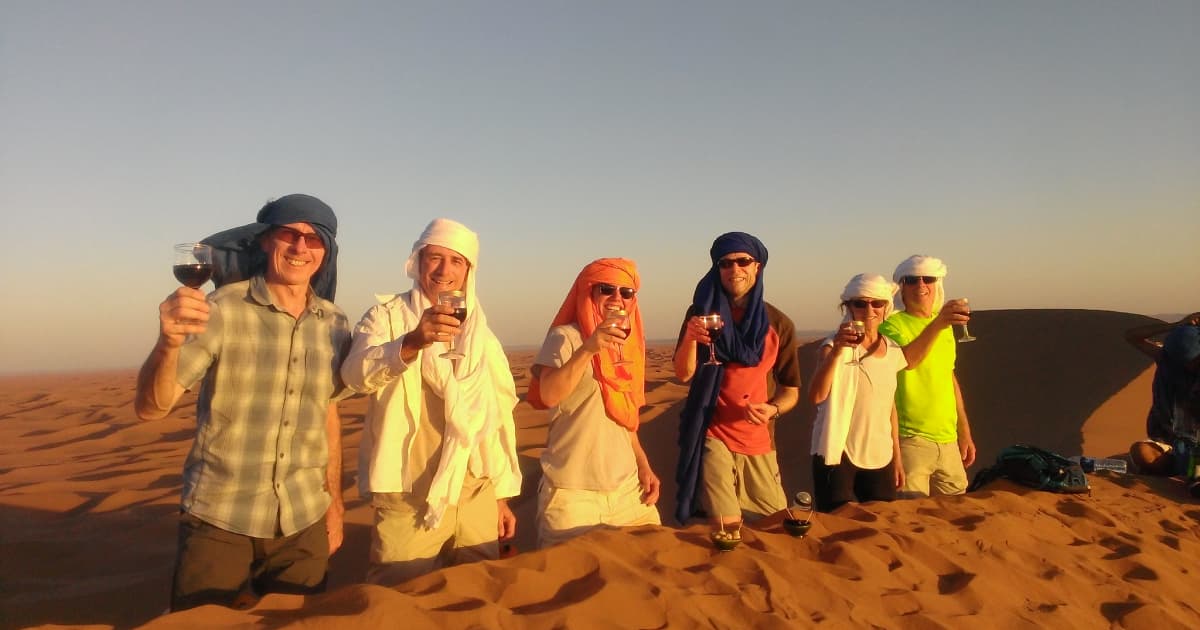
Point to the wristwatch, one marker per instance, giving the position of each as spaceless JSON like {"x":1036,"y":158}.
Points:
{"x":776,"y":416}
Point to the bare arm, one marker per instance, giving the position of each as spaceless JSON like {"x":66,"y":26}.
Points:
{"x":183,"y":313}
{"x":827,"y":362}
{"x":334,"y":516}
{"x":685,"y":351}
{"x":556,"y":383}
{"x":785,"y":400}
{"x":953,"y":313}
{"x":966,"y":445}
{"x":646,"y":478}
{"x":897,"y":461}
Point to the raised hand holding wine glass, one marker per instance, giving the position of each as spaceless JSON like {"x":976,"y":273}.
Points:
{"x":857,"y":330}
{"x":618,"y":318}
{"x":193,"y":264}
{"x":456,"y":300}
{"x":712,"y":324}
{"x":192,"y":267}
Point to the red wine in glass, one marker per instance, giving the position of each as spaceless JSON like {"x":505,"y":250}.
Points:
{"x":860,"y":332}
{"x":456,"y":300}
{"x":193,"y":264}
{"x":618,"y":318}
{"x":193,"y":275}
{"x":712,"y":324}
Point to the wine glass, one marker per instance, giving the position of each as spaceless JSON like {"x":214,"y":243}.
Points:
{"x":966,"y":334}
{"x":458,"y":301}
{"x":617,"y":317}
{"x":860,"y":332}
{"x":193,"y":264}
{"x":713,"y":324}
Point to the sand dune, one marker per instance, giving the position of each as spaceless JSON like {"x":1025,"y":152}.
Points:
{"x":88,"y":498}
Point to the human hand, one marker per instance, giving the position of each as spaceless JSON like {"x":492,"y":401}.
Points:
{"x":437,"y":323}
{"x":760,"y":413}
{"x":966,"y":448}
{"x":506,"y":522}
{"x":695,"y":331}
{"x":845,"y":336}
{"x":183,"y":313}
{"x":954,"y":313}
{"x":650,"y":485}
{"x":898,"y":470}
{"x":603,"y":337}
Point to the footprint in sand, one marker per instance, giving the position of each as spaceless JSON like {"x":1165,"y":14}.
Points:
{"x":1119,"y":548}
{"x":1114,"y":611}
{"x":1077,"y":509}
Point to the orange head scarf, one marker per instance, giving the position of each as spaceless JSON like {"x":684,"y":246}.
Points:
{"x":623,"y":387}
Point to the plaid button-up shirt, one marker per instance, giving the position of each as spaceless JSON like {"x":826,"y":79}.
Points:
{"x":257,"y":465}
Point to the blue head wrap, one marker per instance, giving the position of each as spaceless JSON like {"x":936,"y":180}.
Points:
{"x":740,"y":342}
{"x":237,"y":254}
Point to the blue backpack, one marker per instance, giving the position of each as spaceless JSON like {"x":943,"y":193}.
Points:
{"x":1034,"y":467}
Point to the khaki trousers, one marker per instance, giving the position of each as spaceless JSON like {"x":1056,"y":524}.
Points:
{"x":564,"y":513}
{"x":402,"y":547}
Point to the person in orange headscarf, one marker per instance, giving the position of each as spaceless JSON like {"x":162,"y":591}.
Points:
{"x":591,"y":374}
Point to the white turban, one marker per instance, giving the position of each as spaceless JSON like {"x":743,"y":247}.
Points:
{"x":917,"y":265}
{"x":871,"y":286}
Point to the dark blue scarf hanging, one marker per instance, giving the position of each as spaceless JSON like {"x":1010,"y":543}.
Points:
{"x":740,"y":342}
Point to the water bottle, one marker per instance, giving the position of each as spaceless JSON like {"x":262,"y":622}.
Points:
{"x":1092,"y":464}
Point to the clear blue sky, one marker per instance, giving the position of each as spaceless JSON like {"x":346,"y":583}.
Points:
{"x":1048,"y":151}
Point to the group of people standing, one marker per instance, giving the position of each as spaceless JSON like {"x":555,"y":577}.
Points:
{"x":272,"y":355}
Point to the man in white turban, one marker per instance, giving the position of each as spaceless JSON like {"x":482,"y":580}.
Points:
{"x":935,"y":435}
{"x":438,"y":454}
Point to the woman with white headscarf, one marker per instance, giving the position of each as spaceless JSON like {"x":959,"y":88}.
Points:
{"x":856,"y":440}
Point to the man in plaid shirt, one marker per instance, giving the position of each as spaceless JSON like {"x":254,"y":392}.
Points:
{"x":262,"y":505}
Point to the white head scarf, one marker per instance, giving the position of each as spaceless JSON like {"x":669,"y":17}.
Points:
{"x":871,"y":286}
{"x":917,"y":265}
{"x":478,"y":390}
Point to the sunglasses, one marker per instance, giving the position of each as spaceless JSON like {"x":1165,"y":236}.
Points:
{"x":609,"y":289}
{"x":291,"y":237}
{"x":918,"y":279}
{"x":728,"y":263}
{"x":865,"y":303}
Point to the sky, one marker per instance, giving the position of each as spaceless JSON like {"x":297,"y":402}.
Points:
{"x":1047,"y":151}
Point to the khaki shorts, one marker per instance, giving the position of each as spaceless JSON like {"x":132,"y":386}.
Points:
{"x":744,"y":485}
{"x":402,"y":548}
{"x":212,"y":565}
{"x":564,"y":513}
{"x":931,"y":466}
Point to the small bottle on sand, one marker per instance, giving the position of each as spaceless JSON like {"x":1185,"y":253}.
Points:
{"x":1093,"y":464}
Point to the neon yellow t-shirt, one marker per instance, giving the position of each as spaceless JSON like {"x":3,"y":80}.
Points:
{"x":925,"y":399}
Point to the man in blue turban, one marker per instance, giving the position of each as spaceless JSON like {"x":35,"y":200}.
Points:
{"x":262,"y":506}
{"x":1173,"y":424}
{"x":727,"y":455}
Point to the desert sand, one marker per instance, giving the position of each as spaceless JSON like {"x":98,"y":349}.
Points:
{"x":89,"y":497}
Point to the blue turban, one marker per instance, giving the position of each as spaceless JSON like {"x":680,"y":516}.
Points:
{"x":237,"y":254}
{"x":741,"y":342}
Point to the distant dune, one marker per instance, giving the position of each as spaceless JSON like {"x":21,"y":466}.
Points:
{"x":88,"y":498}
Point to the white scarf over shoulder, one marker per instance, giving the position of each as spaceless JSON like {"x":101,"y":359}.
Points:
{"x":478,"y":390}
{"x":832,"y":423}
